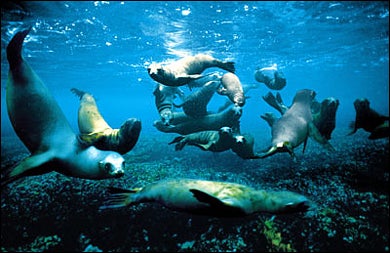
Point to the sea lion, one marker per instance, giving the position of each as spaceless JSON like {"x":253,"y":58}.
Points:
{"x":187,"y":125}
{"x":232,"y":88}
{"x":324,"y":113}
{"x":295,"y":126}
{"x":95,"y":131}
{"x":42,"y":126}
{"x":243,"y":146}
{"x":164,"y":97}
{"x":195,"y":104}
{"x":215,"y":141}
{"x":271,"y":77}
{"x":370,"y":120}
{"x":325,"y":119}
{"x":186,"y":69}
{"x":212,"y":198}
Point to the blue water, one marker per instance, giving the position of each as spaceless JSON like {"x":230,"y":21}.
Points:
{"x":339,"y":49}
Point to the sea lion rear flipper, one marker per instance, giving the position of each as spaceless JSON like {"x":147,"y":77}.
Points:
{"x":315,"y":133}
{"x":228,"y":66}
{"x":78,"y":92}
{"x":118,"y":198}
{"x":32,"y":165}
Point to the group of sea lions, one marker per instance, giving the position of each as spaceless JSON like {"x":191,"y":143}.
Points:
{"x":96,"y":152}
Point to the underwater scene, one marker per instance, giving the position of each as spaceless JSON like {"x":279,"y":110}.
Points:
{"x":194,"y":126}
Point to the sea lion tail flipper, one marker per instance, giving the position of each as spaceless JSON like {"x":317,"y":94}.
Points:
{"x":29,"y":166}
{"x":228,"y":66}
{"x":78,"y":92}
{"x":14,"y":48}
{"x":119,"y":198}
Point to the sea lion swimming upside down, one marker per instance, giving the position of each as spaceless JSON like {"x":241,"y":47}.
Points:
{"x":186,"y":69}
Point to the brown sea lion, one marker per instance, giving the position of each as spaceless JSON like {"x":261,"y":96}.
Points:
{"x":186,"y":69}
{"x":271,"y":77}
{"x":232,"y":88}
{"x":219,"y":199}
{"x":42,"y":127}
{"x":164,"y":97}
{"x":230,"y":118}
{"x":95,"y":131}
{"x":370,"y":120}
{"x":215,"y":141}
{"x":295,"y":126}
{"x":195,"y":104}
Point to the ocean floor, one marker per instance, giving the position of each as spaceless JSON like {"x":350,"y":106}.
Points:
{"x":349,"y":187}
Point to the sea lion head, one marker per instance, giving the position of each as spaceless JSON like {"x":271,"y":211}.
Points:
{"x":239,"y":99}
{"x":305,"y":96}
{"x":113,"y":165}
{"x":225,"y":131}
{"x":329,"y":106}
{"x":361,"y":104}
{"x":158,"y":73}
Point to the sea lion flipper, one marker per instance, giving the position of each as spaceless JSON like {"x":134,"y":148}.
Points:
{"x":77,"y":92}
{"x":14,"y":48}
{"x":206,"y":198}
{"x":31,"y":165}
{"x":118,"y":198}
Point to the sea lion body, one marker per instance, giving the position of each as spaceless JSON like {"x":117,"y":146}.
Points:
{"x":94,"y":130}
{"x":42,"y":127}
{"x":186,"y":125}
{"x":370,"y":120}
{"x":232,"y":88}
{"x":164,"y":97}
{"x":195,"y":104}
{"x":295,"y":126}
{"x":186,"y":69}
{"x":325,"y":119}
{"x":215,"y":141}
{"x":213,"y":198}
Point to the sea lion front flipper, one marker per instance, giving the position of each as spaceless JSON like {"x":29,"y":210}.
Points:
{"x":206,"y":198}
{"x":315,"y":133}
{"x":32,"y":165}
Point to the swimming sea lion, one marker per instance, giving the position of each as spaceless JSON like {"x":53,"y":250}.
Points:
{"x":195,"y":104}
{"x":324,"y":113}
{"x":186,"y":69}
{"x":187,"y":125}
{"x":95,"y":131}
{"x":271,"y":77}
{"x":164,"y":97}
{"x":213,"y":198}
{"x":370,"y":120}
{"x":325,"y":119}
{"x":295,"y":126}
{"x":42,"y":127}
{"x":243,"y":146}
{"x":232,"y":88}
{"x":215,"y":141}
